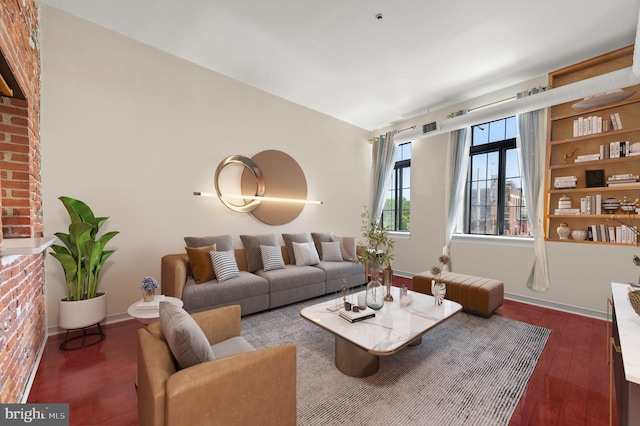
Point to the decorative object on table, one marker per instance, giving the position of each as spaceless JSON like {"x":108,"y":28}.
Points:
{"x":347,"y":305}
{"x":594,"y":178}
{"x":564,"y":202}
{"x":378,"y":253}
{"x":148,"y":286}
{"x":579,"y":234}
{"x":563,"y":231}
{"x":387,"y":280}
{"x":82,"y":257}
{"x":438,"y":287}
{"x":634,"y":298}
{"x":610,"y":204}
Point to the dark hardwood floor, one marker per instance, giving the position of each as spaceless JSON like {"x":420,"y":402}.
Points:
{"x":570,"y":385}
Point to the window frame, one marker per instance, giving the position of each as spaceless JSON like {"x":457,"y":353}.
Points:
{"x":398,"y":172}
{"x":501,"y":147}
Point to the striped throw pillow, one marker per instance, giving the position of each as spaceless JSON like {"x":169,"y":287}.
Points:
{"x":224,"y":265}
{"x":271,"y":257}
{"x":331,"y":252}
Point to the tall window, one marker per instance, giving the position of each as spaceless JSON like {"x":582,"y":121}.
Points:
{"x":495,"y":204}
{"x":397,"y":207}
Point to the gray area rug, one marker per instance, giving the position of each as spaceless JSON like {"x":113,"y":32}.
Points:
{"x":467,"y":371}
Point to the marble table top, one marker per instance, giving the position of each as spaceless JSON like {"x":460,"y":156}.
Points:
{"x":393,"y":327}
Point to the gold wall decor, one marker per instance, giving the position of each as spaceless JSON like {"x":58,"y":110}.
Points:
{"x":273,"y":187}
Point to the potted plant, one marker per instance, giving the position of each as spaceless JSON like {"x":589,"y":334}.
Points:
{"x":82,"y":257}
{"x":378,"y":253}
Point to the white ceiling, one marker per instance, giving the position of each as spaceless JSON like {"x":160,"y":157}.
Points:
{"x":335,"y":57}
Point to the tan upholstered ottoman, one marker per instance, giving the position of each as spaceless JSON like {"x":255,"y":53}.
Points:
{"x":476,"y":295}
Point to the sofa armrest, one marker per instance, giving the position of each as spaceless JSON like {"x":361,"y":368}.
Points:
{"x":219,"y":324}
{"x":248,"y":388}
{"x":174,"y":272}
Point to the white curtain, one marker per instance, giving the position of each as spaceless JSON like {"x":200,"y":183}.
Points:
{"x":457,"y":163}
{"x":383,"y":161}
{"x":531,"y":155}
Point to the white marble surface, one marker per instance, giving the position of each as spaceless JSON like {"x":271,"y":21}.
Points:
{"x":145,"y":316}
{"x":629,"y":329}
{"x":393,"y":327}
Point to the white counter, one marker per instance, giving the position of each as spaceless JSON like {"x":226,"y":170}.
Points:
{"x":628,"y":322}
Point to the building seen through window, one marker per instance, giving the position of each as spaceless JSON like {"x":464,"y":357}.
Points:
{"x":495,"y":203}
{"x":397,"y":207}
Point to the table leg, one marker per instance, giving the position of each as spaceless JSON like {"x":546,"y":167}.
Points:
{"x":354,"y":361}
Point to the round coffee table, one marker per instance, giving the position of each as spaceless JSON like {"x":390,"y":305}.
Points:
{"x":148,"y":315}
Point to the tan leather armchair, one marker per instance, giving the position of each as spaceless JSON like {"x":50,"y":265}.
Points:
{"x":257,"y":387}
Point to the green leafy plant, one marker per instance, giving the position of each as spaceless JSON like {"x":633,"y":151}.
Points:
{"x":378,"y":246}
{"x":83,"y":253}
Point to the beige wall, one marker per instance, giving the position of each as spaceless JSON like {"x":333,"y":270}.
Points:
{"x":133,"y":132}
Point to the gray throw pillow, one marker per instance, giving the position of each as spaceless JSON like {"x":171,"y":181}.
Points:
{"x":222,"y":242}
{"x":303,"y":237}
{"x":319,"y":237}
{"x":187,"y":341}
{"x":251,"y":244}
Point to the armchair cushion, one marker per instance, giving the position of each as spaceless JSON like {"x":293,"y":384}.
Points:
{"x":187,"y":341}
{"x":233,"y":346}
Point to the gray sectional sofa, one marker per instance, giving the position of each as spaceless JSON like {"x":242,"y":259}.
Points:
{"x":254,"y":285}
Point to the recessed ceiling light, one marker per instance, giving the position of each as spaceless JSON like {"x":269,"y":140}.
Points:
{"x":379,"y":16}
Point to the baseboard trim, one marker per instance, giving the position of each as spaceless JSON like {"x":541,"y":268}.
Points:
{"x":32,"y":375}
{"x":51,"y":331}
{"x":556,"y":306}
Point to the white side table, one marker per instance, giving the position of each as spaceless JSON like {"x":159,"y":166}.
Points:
{"x":145,"y":316}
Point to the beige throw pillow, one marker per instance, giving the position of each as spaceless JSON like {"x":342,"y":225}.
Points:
{"x":347,"y":247}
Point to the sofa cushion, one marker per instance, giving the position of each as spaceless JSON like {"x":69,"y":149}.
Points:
{"x":252,"y":252}
{"x":224,"y":265}
{"x":271,"y":257}
{"x":331,"y":251}
{"x":185,"y":338}
{"x":319,"y":237}
{"x":222,"y":242}
{"x":232,"y":346}
{"x":347,"y":247}
{"x":200,"y":261}
{"x":305,"y":254}
{"x":248,"y":290}
{"x":288,"y":239}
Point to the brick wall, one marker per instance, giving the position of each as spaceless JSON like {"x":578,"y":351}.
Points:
{"x":22,"y":305}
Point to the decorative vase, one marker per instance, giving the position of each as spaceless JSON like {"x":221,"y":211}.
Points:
{"x":375,"y":291}
{"x":438,"y":290}
{"x":387,"y":279}
{"x":563,"y":231}
{"x":148,"y":295}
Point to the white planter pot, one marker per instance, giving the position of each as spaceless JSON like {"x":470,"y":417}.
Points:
{"x":77,"y":314}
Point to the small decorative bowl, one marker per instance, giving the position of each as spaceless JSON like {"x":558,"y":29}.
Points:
{"x":628,"y":206}
{"x":611,"y":204}
{"x":579,"y":234}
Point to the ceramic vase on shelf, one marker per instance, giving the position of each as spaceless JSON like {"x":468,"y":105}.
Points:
{"x":375,"y":291}
{"x":147,"y":295}
{"x":438,"y":290}
{"x":563,"y":231}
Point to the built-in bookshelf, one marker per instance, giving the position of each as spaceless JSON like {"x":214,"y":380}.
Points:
{"x":593,"y":165}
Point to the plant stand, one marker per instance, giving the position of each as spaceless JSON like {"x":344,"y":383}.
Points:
{"x":82,"y":336}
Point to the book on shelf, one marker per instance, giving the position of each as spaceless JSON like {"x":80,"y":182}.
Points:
{"x":615,"y":121}
{"x":567,"y":211}
{"x":587,"y":157}
{"x":623,"y":176}
{"x":357,"y":316}
{"x":631,"y":183}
